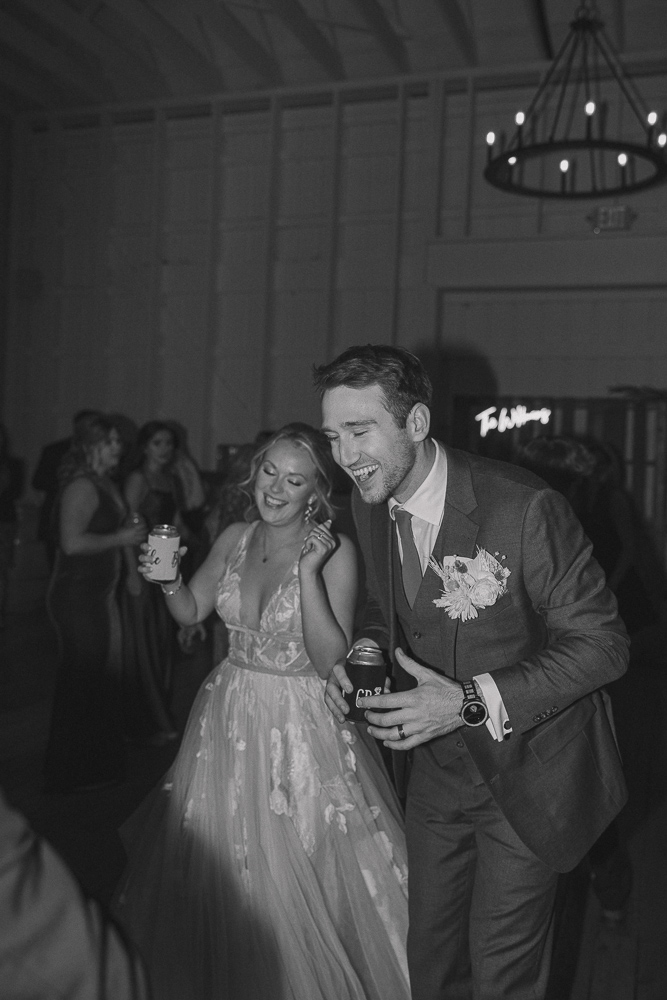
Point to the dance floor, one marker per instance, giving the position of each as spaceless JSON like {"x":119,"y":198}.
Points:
{"x":594,"y":959}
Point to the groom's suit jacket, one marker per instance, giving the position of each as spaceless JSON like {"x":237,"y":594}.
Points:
{"x":551,"y":643}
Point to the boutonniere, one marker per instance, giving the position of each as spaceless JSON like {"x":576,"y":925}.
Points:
{"x":469,"y":584}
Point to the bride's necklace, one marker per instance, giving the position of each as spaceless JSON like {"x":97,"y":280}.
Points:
{"x":269,"y":555}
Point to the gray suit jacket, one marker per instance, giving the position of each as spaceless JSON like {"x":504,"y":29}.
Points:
{"x":551,"y":643}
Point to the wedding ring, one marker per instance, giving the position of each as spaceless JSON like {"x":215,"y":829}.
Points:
{"x":401,"y":732}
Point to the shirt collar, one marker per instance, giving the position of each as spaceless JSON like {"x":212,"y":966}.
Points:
{"x":428,"y":501}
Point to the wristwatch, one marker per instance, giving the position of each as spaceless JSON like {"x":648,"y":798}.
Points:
{"x":473,"y":711}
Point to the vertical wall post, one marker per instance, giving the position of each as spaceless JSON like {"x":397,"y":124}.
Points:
{"x":271,"y":234}
{"x":53,"y":283}
{"x":431,"y":222}
{"x":470,"y":154}
{"x":212,"y":296}
{"x":336,"y":155}
{"x":155,"y":377}
{"x":103,"y":219}
{"x":399,"y":198}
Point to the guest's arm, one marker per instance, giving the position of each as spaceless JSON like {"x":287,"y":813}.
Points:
{"x":77,"y":506}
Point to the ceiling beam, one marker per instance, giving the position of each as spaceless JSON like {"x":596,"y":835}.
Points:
{"x":393,"y":46}
{"x":313,"y":40}
{"x":161,"y":33}
{"x":114,"y":59}
{"x":51,"y":61}
{"x":460,"y":29}
{"x":234,"y":34}
{"x":30,"y":87}
{"x":537,"y":16}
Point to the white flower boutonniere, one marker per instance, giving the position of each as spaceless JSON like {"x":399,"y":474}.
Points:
{"x":469,"y":584}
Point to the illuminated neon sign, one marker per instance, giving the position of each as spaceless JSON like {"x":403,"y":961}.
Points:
{"x":506,"y":420}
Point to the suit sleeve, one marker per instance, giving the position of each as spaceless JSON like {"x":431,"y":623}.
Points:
{"x":54,"y":942}
{"x":587,"y":643}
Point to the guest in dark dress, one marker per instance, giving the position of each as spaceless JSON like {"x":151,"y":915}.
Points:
{"x":152,"y":491}
{"x":11,"y":487}
{"x":86,"y":747}
{"x":45,"y":480}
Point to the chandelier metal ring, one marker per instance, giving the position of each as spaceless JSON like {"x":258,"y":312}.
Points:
{"x":562,"y":146}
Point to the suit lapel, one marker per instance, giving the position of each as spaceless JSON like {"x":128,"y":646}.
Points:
{"x":457,"y":536}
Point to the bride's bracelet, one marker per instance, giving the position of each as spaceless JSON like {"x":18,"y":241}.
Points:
{"x":175,"y":587}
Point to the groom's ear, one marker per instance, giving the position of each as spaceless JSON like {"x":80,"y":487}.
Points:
{"x":419,"y":422}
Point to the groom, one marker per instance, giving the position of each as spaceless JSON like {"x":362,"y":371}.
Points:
{"x":502,"y":633}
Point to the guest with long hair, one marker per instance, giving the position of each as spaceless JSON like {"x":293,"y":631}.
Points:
{"x":151,"y":490}
{"x":85,"y":748}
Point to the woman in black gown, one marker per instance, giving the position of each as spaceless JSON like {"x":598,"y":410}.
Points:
{"x":152,"y":491}
{"x":85,"y":747}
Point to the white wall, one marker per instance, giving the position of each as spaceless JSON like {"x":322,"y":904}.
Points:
{"x":194,"y":263}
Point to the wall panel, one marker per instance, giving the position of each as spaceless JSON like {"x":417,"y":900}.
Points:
{"x":195,"y":264}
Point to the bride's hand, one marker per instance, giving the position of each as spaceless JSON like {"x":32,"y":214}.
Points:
{"x":146,"y":559}
{"x":318,"y":545}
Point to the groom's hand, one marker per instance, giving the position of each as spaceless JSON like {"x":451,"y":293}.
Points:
{"x":431,"y":709}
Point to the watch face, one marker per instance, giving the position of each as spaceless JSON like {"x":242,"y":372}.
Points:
{"x":474,"y":713}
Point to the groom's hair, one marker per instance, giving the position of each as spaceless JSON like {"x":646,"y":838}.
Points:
{"x":399,"y":374}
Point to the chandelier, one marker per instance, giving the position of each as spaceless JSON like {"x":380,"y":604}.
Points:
{"x":563,"y":146}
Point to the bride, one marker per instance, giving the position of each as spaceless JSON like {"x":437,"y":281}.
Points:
{"x":270,"y":864}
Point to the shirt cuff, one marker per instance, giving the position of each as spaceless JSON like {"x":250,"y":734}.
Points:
{"x":498,"y":722}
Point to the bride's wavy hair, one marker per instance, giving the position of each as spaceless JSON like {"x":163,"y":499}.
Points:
{"x":318,"y":448}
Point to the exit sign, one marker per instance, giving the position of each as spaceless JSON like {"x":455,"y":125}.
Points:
{"x":606,"y":218}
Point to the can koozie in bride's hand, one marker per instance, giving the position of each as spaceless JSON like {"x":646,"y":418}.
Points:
{"x":366,"y":668}
{"x":163,"y":556}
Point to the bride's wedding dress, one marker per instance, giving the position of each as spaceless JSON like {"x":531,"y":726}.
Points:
{"x":270,"y":865}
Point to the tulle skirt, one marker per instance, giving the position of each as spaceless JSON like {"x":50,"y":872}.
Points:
{"x":270,"y":863}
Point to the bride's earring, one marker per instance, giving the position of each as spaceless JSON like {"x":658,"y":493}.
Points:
{"x":310,"y":508}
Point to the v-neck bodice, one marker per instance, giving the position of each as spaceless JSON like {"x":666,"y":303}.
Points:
{"x":277,"y":645}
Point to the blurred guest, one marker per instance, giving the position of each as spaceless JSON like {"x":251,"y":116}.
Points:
{"x":152,"y":491}
{"x":54,"y":942}
{"x":230,"y":501}
{"x":45,"y":480}
{"x":230,"y":505}
{"x":11,"y":487}
{"x":572,"y":466}
{"x":621,"y":542}
{"x":186,"y":470}
{"x":85,"y":748}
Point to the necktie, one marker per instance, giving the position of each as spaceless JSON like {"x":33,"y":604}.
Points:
{"x":412,"y":570}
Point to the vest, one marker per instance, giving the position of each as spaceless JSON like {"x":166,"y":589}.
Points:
{"x":422,"y":646}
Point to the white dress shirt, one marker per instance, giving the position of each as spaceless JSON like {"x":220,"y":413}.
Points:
{"x":427,"y":507}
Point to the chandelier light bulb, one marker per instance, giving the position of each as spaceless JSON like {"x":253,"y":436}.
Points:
{"x":652,"y":117}
{"x":490,"y":138}
{"x":519,"y":118}
{"x":662,"y":139}
{"x":564,"y":166}
{"x":590,"y":108}
{"x":512,"y":161}
{"x":622,"y":159}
